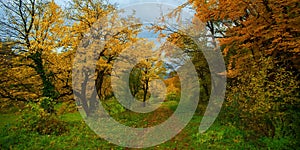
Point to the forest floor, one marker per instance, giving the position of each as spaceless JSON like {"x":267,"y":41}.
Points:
{"x":80,"y":136}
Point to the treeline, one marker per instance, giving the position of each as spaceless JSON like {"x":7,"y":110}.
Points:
{"x":260,"y":43}
{"x":259,"y":40}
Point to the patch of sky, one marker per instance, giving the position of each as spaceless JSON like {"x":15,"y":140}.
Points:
{"x":150,"y":12}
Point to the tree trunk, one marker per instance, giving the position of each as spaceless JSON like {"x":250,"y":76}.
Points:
{"x":48,"y":87}
{"x":145,"y":93}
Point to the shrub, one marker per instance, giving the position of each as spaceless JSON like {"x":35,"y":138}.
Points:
{"x":265,"y":99}
{"x":41,"y":117}
{"x":47,"y":104}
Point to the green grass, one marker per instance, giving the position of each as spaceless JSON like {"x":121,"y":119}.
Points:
{"x":7,"y":119}
{"x":71,"y":117}
{"x":80,"y":136}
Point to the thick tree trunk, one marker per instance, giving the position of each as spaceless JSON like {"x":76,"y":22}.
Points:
{"x":48,"y":87}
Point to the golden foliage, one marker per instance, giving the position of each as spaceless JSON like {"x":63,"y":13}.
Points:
{"x":254,"y":28}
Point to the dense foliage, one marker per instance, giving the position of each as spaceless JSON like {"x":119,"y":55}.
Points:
{"x":259,"y":39}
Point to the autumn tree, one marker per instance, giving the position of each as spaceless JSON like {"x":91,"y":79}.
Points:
{"x":135,"y":81}
{"x":251,"y":29}
{"x":196,"y":43}
{"x":150,"y":69}
{"x":15,"y":87}
{"x":194,"y":48}
{"x":141,"y":63}
{"x":38,"y":30}
{"x":114,"y":33}
{"x":83,"y":14}
{"x":173,"y":84}
{"x":61,"y":67}
{"x":260,"y":41}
